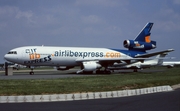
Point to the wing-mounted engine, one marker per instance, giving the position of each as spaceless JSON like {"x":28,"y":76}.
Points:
{"x":91,"y":66}
{"x":170,"y":66}
{"x":139,"y":45}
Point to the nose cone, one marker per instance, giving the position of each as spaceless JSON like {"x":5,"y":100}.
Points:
{"x":10,"y":57}
{"x":6,"y":56}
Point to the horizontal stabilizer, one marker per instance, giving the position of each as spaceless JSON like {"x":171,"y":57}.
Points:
{"x":153,"y":54}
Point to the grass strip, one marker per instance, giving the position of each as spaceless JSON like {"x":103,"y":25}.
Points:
{"x":90,"y":84}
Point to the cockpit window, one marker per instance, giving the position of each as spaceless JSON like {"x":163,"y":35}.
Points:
{"x":12,"y":52}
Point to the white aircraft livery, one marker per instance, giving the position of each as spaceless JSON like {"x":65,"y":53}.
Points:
{"x":90,"y":59}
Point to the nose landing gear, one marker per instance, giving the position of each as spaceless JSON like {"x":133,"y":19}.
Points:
{"x":32,"y":72}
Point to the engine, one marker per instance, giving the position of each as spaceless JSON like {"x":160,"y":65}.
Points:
{"x":91,"y":66}
{"x":139,"y":45}
{"x":170,"y":66}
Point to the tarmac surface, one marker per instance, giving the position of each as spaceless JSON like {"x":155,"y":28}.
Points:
{"x":41,"y":74}
{"x":53,"y":73}
{"x":165,"y":101}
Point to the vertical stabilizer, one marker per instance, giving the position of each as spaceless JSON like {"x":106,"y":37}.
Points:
{"x":144,"y":35}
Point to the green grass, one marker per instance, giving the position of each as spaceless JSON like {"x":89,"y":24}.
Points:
{"x":90,"y":84}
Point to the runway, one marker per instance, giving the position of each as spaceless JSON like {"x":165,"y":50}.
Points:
{"x":41,"y":74}
{"x":166,"y":101}
{"x":53,"y":74}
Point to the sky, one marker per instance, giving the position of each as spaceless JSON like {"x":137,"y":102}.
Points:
{"x":87,"y":23}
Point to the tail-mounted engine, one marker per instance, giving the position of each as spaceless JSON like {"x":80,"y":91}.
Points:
{"x":139,"y":45}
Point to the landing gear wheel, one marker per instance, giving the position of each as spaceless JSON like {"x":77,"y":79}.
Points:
{"x":31,"y":73}
{"x":99,"y":72}
{"x":107,"y":72}
{"x":87,"y":72}
{"x":135,"y":70}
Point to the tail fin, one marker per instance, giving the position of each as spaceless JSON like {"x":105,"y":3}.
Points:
{"x":142,"y":42}
{"x":144,"y":35}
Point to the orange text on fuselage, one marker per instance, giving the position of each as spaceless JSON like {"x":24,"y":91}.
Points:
{"x":112,"y":55}
{"x":34,"y":56}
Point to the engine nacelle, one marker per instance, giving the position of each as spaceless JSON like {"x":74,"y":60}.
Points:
{"x":138,"y":45}
{"x":170,"y":66}
{"x":91,"y":66}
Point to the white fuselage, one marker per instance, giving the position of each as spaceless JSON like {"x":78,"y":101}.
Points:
{"x":60,"y":56}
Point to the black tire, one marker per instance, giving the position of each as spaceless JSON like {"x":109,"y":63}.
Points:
{"x":31,"y":73}
{"x":87,"y":72}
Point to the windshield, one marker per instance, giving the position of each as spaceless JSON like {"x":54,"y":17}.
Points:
{"x":12,"y":52}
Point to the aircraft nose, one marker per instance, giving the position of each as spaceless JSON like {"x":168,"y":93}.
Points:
{"x":10,"y":57}
{"x":6,"y":57}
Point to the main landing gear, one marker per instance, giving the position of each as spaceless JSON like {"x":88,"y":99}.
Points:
{"x":103,"y":72}
{"x":135,"y":70}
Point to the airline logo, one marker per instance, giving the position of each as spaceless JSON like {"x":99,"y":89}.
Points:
{"x":113,"y":55}
{"x":69,"y":53}
{"x":35,"y":57}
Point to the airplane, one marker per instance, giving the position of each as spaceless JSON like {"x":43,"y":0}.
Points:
{"x":158,"y":61}
{"x":170,"y":64}
{"x":89,"y":59}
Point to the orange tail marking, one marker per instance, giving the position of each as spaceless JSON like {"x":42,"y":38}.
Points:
{"x":147,"y":39}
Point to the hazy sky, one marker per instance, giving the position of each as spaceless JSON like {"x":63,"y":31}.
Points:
{"x":87,"y":23}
